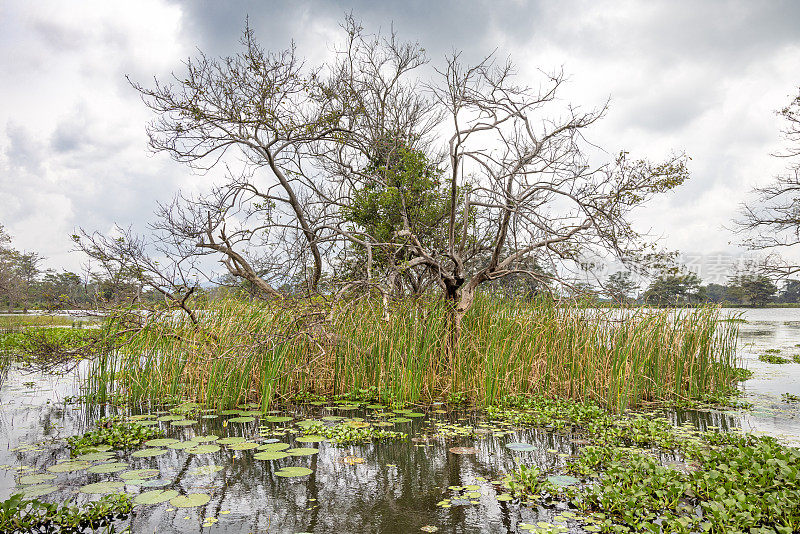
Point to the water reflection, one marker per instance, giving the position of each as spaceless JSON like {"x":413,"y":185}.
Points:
{"x":398,"y":485}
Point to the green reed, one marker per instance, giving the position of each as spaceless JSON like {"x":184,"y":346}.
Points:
{"x":245,"y":351}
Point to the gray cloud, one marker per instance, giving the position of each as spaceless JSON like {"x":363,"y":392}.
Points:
{"x":23,"y":152}
{"x":683,"y":75}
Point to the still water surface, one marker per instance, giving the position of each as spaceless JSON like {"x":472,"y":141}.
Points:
{"x":388,"y":487}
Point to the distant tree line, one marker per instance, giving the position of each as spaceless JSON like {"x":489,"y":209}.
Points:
{"x":25,"y":285}
{"x":686,"y":289}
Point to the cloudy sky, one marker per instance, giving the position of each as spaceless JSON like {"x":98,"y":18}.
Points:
{"x":700,"y":77}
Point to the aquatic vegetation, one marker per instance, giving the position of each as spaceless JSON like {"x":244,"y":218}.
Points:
{"x":542,"y":411}
{"x":115,"y":432}
{"x":509,"y":348}
{"x":292,"y":472}
{"x":732,"y":484}
{"x":18,"y":514}
{"x":463,"y":450}
{"x":771,"y":357}
{"x":345,"y":434}
{"x":743,"y":374}
{"x":192,"y":500}
{"x":17,"y":321}
{"x":52,"y":342}
{"x":527,"y":480}
{"x":108,"y":486}
{"x":155,"y":496}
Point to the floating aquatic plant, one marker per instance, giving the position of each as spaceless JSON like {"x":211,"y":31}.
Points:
{"x":191,"y":500}
{"x":155,"y":496}
{"x":21,"y":514}
{"x":291,"y":472}
{"x":115,"y":432}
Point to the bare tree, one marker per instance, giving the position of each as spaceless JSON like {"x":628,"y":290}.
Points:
{"x":265,"y":108}
{"x":133,"y":260}
{"x":771,"y":220}
{"x":455,"y":182}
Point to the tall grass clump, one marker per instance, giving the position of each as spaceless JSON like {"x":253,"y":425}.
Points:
{"x":243,"y":351}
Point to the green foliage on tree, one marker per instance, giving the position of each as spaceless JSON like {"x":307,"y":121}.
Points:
{"x":717,"y":293}
{"x":752,"y":289}
{"x":675,"y":290}
{"x":403,"y":186}
{"x":401,"y":193}
{"x":621,"y":287}
{"x":790,"y":293}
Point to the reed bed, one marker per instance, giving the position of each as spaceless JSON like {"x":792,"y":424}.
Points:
{"x":246,"y":351}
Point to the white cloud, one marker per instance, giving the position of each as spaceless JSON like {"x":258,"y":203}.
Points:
{"x":701,"y":78}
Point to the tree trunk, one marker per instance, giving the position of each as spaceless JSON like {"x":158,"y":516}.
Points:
{"x":459,"y":300}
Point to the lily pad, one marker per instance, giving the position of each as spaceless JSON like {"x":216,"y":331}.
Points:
{"x":278,"y":419}
{"x":231,"y":440}
{"x":68,"y":467}
{"x":108,"y":486}
{"x":357,"y":424}
{"x":205,"y":470}
{"x":141,"y":416}
{"x":96,"y":456}
{"x":190,"y":501}
{"x":290,"y":472}
{"x":37,"y":490}
{"x":182,"y":445}
{"x":160,"y":442}
{"x":244,"y":446}
{"x":302,"y":451}
{"x":108,"y":468}
{"x":35,"y":479}
{"x":155,"y":496}
{"x":241,"y":419}
{"x":310,"y":439}
{"x":205,"y":439}
{"x":273,"y":446}
{"x":155,"y":483}
{"x":171,"y":418}
{"x":135,"y":474}
{"x":270,"y":455}
{"x":520,"y":447}
{"x":184,"y":422}
{"x":305,"y":423}
{"x":562,"y":480}
{"x":399,"y":420}
{"x":147,"y":453}
{"x":463,"y":450}
{"x":504,"y":497}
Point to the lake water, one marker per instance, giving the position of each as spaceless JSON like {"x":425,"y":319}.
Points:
{"x":387,"y":487}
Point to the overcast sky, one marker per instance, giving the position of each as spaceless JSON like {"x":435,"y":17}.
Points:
{"x":700,"y":77}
